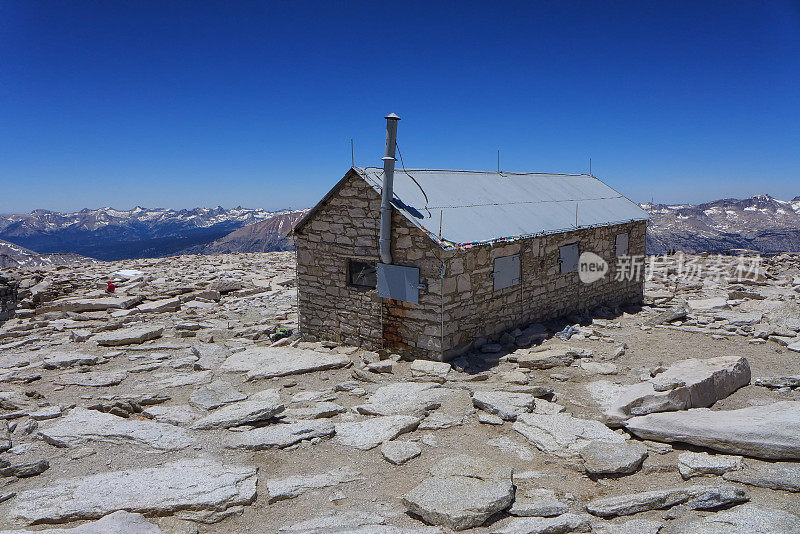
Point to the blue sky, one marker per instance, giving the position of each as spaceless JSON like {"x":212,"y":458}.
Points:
{"x":178,"y":105}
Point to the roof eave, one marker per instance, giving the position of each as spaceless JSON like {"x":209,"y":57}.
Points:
{"x":511,"y":239}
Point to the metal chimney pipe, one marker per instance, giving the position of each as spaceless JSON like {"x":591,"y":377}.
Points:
{"x":385,"y":240}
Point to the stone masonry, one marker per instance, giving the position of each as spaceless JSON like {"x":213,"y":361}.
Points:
{"x":8,"y":297}
{"x":459,"y":303}
{"x":473,"y":309}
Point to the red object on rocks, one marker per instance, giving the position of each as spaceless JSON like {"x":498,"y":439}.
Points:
{"x":111,"y":287}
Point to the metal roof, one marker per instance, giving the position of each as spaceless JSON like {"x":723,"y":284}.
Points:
{"x":466,"y":208}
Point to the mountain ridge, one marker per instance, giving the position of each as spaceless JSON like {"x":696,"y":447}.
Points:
{"x":270,"y":235}
{"x":110,"y":234}
{"x":15,"y":256}
{"x":761,"y":222}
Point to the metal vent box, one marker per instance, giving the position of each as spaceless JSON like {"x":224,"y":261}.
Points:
{"x":398,"y":282}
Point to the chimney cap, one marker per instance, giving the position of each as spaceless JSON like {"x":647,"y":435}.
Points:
{"x":392,"y":116}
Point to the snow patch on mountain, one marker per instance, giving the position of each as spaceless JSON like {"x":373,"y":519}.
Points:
{"x":15,"y":256}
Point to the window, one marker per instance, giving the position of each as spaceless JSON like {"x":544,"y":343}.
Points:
{"x":362,"y":274}
{"x":621,"y":245}
{"x":506,"y":272}
{"x":568,"y":258}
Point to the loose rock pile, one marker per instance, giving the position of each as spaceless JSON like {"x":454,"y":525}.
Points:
{"x":186,"y":402}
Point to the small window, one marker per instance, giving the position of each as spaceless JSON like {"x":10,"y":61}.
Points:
{"x":506,"y":272}
{"x":568,"y":258}
{"x":621,"y":245}
{"x":362,"y":274}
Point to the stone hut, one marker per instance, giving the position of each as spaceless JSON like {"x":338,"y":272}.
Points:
{"x":467,"y":255}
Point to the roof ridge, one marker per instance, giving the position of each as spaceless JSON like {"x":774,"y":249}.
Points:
{"x":523,"y":202}
{"x":484,"y":172}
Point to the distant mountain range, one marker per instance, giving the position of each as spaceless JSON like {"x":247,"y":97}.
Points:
{"x":265,"y":236}
{"x":14,"y":256}
{"x":110,"y":234}
{"x":761,"y":223}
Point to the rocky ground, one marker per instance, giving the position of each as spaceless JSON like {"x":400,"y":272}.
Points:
{"x":179,"y":405}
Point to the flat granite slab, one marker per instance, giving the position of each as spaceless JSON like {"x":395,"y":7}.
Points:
{"x":272,"y":362}
{"x":82,"y":304}
{"x":82,"y":426}
{"x":771,"y":431}
{"x":120,"y":522}
{"x":128,"y":336}
{"x":187,"y":485}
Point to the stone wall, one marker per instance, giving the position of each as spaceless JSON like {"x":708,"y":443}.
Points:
{"x":459,"y":303}
{"x":8,"y":297}
{"x":347,"y":227}
{"x":473,"y":309}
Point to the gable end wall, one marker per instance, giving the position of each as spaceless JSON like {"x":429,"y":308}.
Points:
{"x":347,"y":227}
